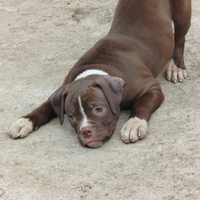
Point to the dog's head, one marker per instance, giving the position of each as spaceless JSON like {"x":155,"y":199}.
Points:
{"x":92,"y":105}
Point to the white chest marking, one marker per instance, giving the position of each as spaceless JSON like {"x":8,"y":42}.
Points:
{"x":91,"y":72}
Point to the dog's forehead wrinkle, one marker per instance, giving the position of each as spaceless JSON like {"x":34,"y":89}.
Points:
{"x":93,"y":94}
{"x":71,"y":103}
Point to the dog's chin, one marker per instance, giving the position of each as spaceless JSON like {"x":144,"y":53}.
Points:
{"x":94,"y":144}
{"x":91,"y":143}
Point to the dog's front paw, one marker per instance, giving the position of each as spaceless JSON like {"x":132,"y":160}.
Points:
{"x":21,"y":128}
{"x":133,"y":130}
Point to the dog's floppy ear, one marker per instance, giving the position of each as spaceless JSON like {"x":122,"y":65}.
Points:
{"x":112,"y":88}
{"x":57,"y":100}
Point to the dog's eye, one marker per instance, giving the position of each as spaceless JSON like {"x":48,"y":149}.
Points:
{"x":99,"y":110}
{"x":70,"y":116}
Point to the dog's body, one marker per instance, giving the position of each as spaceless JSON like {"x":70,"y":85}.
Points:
{"x":119,"y":72}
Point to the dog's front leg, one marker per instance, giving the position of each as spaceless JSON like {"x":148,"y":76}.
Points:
{"x":136,"y":127}
{"x":32,"y":121}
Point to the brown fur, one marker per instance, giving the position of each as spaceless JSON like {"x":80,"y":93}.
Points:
{"x":138,"y":46}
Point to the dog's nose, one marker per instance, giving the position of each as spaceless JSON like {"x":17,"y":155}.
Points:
{"x":86,"y":131}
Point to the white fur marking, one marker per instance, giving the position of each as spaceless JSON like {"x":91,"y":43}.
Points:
{"x":134,"y":129}
{"x":85,"y":119}
{"x":21,"y":128}
{"x":174,"y":73}
{"x":91,"y":72}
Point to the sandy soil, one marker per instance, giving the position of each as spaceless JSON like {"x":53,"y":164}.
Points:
{"x":39,"y":42}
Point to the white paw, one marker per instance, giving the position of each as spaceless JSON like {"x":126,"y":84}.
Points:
{"x":21,"y":128}
{"x":133,"y":130}
{"x":174,"y":73}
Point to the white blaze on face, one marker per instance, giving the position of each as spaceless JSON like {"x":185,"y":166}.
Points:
{"x":84,"y":121}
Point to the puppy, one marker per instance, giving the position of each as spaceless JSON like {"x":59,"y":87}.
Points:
{"x":119,"y":72}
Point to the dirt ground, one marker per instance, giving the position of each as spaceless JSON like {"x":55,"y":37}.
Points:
{"x":39,"y":42}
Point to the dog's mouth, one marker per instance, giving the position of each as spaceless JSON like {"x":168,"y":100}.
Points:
{"x":94,"y":143}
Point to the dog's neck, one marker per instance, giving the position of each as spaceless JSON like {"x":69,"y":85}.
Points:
{"x":91,"y":72}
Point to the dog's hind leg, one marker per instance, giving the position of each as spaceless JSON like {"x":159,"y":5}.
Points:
{"x":181,"y":16}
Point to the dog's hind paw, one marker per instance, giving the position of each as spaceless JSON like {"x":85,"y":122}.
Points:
{"x":21,"y":128}
{"x":133,"y":130}
{"x":175,"y":74}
